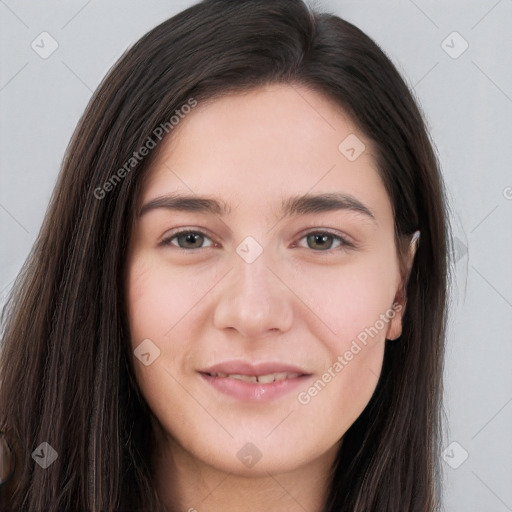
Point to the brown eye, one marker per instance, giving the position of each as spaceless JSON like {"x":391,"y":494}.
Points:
{"x":187,"y":240}
{"x":322,"y":241}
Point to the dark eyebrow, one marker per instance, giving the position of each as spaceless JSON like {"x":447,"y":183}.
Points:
{"x":298,"y":205}
{"x":186,"y":203}
{"x":318,"y":203}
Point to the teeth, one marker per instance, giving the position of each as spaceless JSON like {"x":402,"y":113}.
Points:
{"x":267,"y":379}
{"x":261,"y":379}
{"x":245,"y":378}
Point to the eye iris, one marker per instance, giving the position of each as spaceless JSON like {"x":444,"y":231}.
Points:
{"x":320,"y":239}
{"x":189,"y":238}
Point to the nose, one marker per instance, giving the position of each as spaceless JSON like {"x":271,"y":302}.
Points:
{"x":254,"y":300}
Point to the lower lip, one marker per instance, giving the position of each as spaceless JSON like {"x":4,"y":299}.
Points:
{"x":253,"y":391}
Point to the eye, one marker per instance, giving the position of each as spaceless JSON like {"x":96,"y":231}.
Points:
{"x":323,"y":241}
{"x":319,"y":241}
{"x":187,"y":239}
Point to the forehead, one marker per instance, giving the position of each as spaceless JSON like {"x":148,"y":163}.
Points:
{"x":263,"y":145}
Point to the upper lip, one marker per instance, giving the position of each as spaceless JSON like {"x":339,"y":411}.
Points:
{"x":256,"y":369}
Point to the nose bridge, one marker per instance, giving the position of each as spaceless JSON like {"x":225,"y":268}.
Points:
{"x":251,"y":273}
{"x":253,"y":300}
{"x":254,"y":279}
{"x":255,"y":284}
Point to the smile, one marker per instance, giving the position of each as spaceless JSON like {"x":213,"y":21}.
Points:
{"x":253,"y":383}
{"x":261,"y":379}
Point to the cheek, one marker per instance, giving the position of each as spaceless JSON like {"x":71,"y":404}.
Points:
{"x":349,"y":298}
{"x":354,"y":353}
{"x":161,"y":298}
{"x":161,"y":303}
{"x":354,"y":301}
{"x":335,"y":400}
{"x":165,"y":306}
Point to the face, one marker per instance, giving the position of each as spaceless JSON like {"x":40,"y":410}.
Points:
{"x":262,"y":281}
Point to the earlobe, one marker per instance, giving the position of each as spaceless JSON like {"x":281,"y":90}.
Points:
{"x":395,"y":325}
{"x":394,"y":330}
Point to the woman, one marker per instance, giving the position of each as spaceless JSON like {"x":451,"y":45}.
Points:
{"x":237,"y":299}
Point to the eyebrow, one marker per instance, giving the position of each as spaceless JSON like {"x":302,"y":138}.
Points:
{"x":297,"y":205}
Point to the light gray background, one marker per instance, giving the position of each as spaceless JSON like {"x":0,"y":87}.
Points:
{"x":467,"y":102}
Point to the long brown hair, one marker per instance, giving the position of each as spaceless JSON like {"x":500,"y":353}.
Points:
{"x":66,"y":375}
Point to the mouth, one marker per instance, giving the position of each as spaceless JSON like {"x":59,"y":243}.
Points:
{"x":260,"y":379}
{"x":254,"y":383}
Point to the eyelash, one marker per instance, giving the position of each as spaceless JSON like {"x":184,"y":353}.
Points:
{"x":344,"y":243}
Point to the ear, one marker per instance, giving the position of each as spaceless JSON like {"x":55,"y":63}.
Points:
{"x":395,"y":325}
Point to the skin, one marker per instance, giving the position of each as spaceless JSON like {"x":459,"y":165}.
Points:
{"x":298,"y":303}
